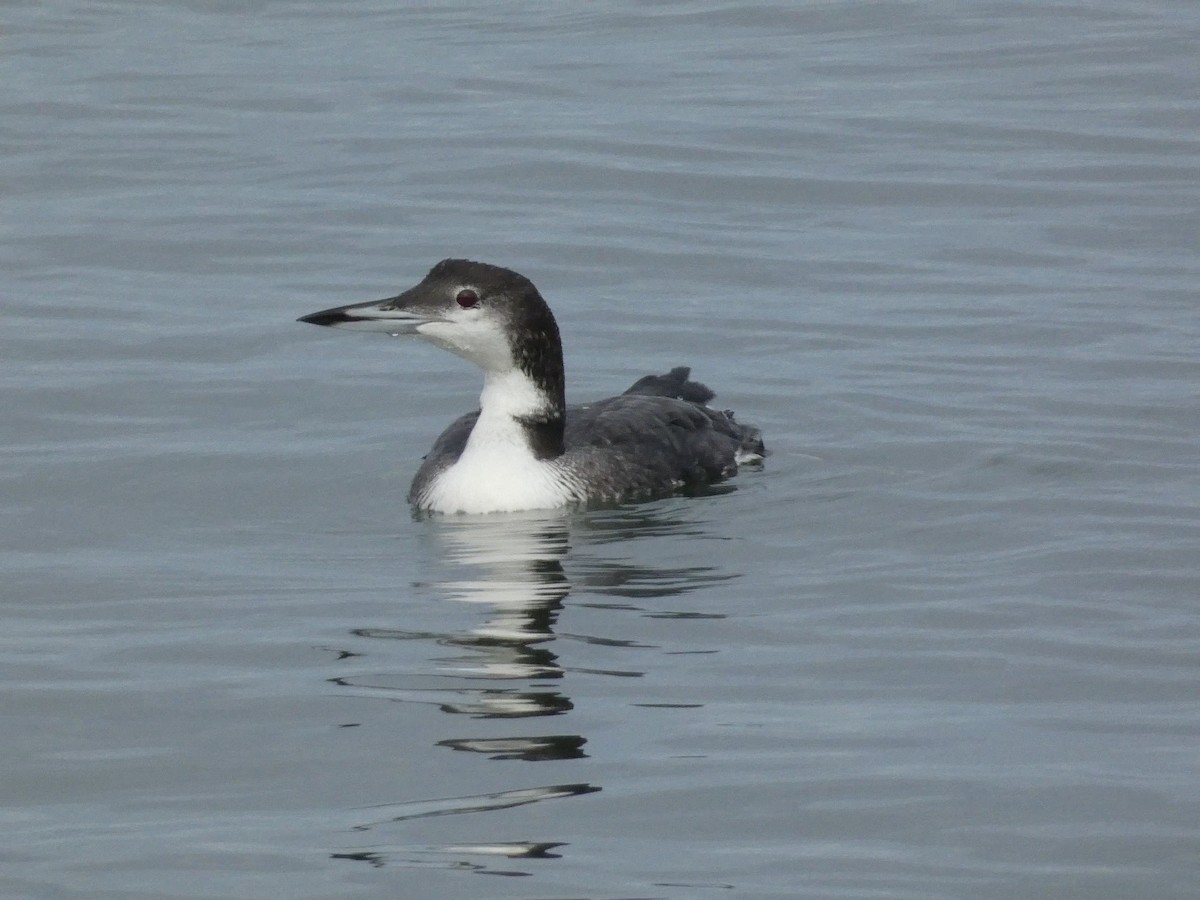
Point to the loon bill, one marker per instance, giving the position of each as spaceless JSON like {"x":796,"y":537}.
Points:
{"x":524,"y":448}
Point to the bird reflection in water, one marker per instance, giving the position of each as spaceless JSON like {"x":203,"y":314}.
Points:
{"x":511,"y":567}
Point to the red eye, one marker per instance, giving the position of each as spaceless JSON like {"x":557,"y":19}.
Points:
{"x":467,"y":298}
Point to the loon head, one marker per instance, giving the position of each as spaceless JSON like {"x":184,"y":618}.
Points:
{"x":492,"y":316}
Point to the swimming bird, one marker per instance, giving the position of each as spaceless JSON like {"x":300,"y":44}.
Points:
{"x":524,"y":448}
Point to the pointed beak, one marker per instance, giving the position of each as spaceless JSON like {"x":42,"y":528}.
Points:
{"x":392,"y":316}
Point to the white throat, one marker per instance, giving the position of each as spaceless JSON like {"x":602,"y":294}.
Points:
{"x":509,"y":393}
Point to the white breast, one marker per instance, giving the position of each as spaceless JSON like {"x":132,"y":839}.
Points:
{"x":482,"y":485}
{"x":497,"y":471}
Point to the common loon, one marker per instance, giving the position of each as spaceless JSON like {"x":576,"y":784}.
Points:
{"x":524,"y":448}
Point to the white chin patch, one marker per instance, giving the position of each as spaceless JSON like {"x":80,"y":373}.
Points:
{"x":479,"y":341}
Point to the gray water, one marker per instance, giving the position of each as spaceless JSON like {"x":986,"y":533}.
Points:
{"x":945,"y":644}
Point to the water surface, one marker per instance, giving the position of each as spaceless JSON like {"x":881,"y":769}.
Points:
{"x":942,"y":645}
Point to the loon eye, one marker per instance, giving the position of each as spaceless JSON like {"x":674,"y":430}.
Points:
{"x":467,"y":298}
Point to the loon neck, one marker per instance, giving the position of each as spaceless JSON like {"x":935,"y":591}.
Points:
{"x":531,"y":391}
{"x":537,"y":354}
{"x":513,"y":401}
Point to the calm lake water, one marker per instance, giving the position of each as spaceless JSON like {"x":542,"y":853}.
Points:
{"x":945,"y":644}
